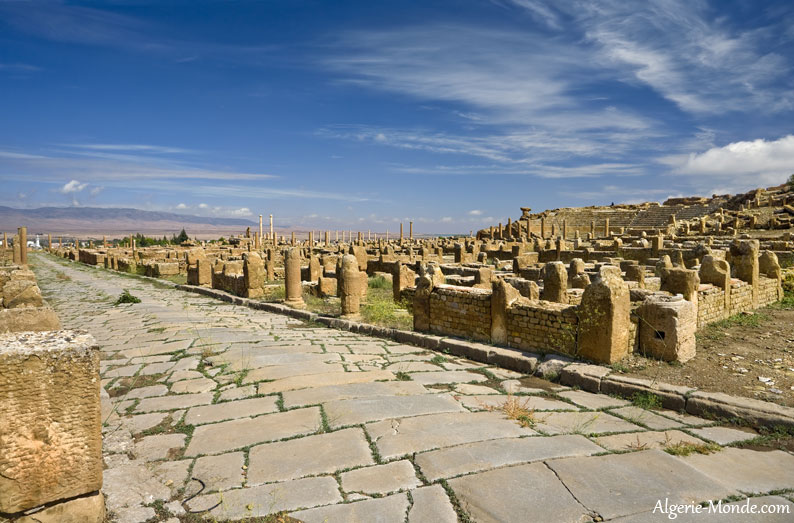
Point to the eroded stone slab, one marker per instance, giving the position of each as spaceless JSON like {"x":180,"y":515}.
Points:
{"x":229,"y":435}
{"x":750,"y":471}
{"x":317,"y":395}
{"x":515,"y":493}
{"x":649,"y":419}
{"x":361,"y":410}
{"x":646,"y":440}
{"x":231,"y":410}
{"x":405,"y":436}
{"x":775,"y":509}
{"x":623,"y":484}
{"x":431,"y":504}
{"x":180,"y":401}
{"x":490,"y":402}
{"x":725,"y":435}
{"x":320,"y":454}
{"x":390,"y":509}
{"x":582,"y":423}
{"x":321,"y":380}
{"x":269,"y":499}
{"x":592,"y":401}
{"x":220,"y":472}
{"x":485,"y":455}
{"x":381,"y":479}
{"x":448,"y":376}
{"x":196,"y":385}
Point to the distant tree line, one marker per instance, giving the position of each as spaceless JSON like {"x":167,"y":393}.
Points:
{"x":146,"y":241}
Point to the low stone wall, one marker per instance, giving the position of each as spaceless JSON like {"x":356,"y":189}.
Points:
{"x":461,"y":311}
{"x":544,"y":326}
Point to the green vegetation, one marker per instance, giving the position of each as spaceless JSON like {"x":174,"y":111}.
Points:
{"x":646,"y":400}
{"x":438,"y":359}
{"x":402,"y":376}
{"x":683,"y":448}
{"x":380,"y":308}
{"x":716,"y":330}
{"x":126,"y":297}
{"x":379,"y":282}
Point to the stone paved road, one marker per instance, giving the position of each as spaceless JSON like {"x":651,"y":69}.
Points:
{"x":274,"y":415}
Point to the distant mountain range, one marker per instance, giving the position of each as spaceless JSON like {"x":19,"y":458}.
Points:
{"x":83,"y":221}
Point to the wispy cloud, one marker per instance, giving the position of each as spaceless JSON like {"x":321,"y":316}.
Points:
{"x":73,"y":186}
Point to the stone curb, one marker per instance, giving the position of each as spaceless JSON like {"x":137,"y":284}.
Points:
{"x":594,"y":378}
{"x":591,"y":378}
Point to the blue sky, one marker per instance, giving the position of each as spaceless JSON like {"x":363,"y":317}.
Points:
{"x":342,"y":114}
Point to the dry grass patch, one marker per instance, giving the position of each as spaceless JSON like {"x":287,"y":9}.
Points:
{"x":518,"y":409}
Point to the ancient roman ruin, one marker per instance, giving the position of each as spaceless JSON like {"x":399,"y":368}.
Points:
{"x":566,"y":293}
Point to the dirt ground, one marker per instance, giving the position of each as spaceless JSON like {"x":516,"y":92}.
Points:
{"x":749,"y":355}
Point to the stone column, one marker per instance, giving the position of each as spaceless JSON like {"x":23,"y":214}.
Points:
{"x":23,"y":245}
{"x":293,"y":290}
{"x":49,"y":243}
{"x":606,"y":228}
{"x":411,"y":231}
{"x":421,"y":308}
{"x":543,"y":227}
{"x":349,"y":280}
{"x":16,"y":255}
{"x":401,"y":233}
{"x":555,"y":282}
{"x":292,"y":240}
{"x":327,"y":238}
{"x":509,"y":234}
{"x":592,"y":229}
{"x":604,"y":318}
{"x":253,"y":275}
{"x":564,"y":229}
{"x":272,"y":235}
{"x":5,"y":240}
{"x":261,"y":230}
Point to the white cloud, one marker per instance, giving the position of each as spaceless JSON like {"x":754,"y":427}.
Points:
{"x":73,"y":186}
{"x":96,"y":190}
{"x":446,"y":219}
{"x":203,"y":206}
{"x":739,"y":166}
{"x":475,"y":212}
{"x":242,"y":211}
{"x":181,"y":206}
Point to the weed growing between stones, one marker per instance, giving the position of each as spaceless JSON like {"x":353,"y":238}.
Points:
{"x":646,"y":400}
{"x":126,"y":297}
{"x":683,"y":448}
{"x":402,"y":376}
{"x":518,"y":410}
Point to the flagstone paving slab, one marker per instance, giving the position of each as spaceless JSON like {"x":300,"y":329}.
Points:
{"x":431,"y":504}
{"x":361,"y":410}
{"x":381,"y":479}
{"x":179,"y":401}
{"x":157,"y":447}
{"x":725,"y":435}
{"x":220,"y":437}
{"x":220,"y":472}
{"x":646,"y":440}
{"x":398,"y":437}
{"x":287,"y":371}
{"x":329,"y":393}
{"x":311,"y":455}
{"x":592,"y":401}
{"x":262,"y":500}
{"x":194,"y":386}
{"x":623,"y":484}
{"x":746,"y":470}
{"x":447,"y":376}
{"x":647,"y":418}
{"x":490,"y":402}
{"x":146,"y":392}
{"x":320,"y":380}
{"x":581,"y":423}
{"x":515,"y":493}
{"x":391,"y":509}
{"x":485,"y":455}
{"x":231,"y":410}
{"x":236,"y":393}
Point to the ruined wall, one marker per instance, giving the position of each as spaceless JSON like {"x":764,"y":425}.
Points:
{"x":461,"y":311}
{"x":542,"y":325}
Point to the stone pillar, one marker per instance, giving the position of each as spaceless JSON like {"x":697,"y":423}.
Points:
{"x":543,"y":227}
{"x":460,"y":253}
{"x":401,"y":233}
{"x":744,"y":263}
{"x":261,"y":230}
{"x":5,"y":240}
{"x":503,"y":295}
{"x":667,"y":328}
{"x":769,"y":266}
{"x":604,"y":318}
{"x":51,"y":426}
{"x":23,"y":245}
{"x":636,"y":273}
{"x":555,"y":282}
{"x":293,"y":291}
{"x":272,"y":234}
{"x":717,"y":272}
{"x":681,"y":281}
{"x":292,"y":240}
{"x":592,"y":229}
{"x":402,"y":277}
{"x":16,"y":255}
{"x":315,"y":269}
{"x":60,"y":242}
{"x":349,"y":282}
{"x":327,"y":238}
{"x":564,"y":229}
{"x":411,"y":231}
{"x":606,"y":228}
{"x":49,"y":243}
{"x":253,"y":275}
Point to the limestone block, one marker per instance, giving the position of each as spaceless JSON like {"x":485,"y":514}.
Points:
{"x":361,"y":256}
{"x":604,"y":317}
{"x":421,"y":306}
{"x":663,"y":263}
{"x":88,"y":509}
{"x":326,"y":286}
{"x":28,"y":319}
{"x":769,"y":266}
{"x":667,"y":328}
{"x":315,"y":269}
{"x":555,"y":282}
{"x":402,"y":278}
{"x":636,"y":273}
{"x":50,"y":431}
{"x":681,"y":281}
{"x":21,"y":293}
{"x":744,"y":263}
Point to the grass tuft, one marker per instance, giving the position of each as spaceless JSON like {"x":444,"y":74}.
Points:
{"x":126,"y":297}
